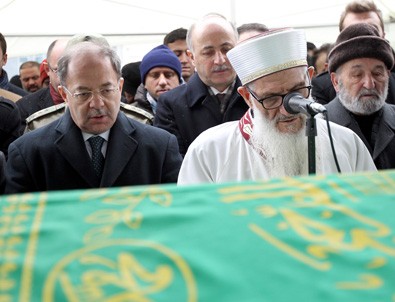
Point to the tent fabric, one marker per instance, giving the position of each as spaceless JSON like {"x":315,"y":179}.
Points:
{"x":30,"y":26}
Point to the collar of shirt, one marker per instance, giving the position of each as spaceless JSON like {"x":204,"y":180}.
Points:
{"x":104,"y":135}
{"x":152,"y":102}
{"x":227,"y":91}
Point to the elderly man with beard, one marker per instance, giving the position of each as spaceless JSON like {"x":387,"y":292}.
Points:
{"x":360,"y":65}
{"x":268,"y":141}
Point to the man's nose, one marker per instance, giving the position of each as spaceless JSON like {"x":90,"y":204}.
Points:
{"x":369,"y":82}
{"x":219,"y":58}
{"x":162,"y":79}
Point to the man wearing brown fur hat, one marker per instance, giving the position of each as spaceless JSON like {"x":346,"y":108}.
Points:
{"x":357,"y":11}
{"x":359,"y":65}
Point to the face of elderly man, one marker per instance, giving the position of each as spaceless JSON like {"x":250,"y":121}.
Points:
{"x":212,"y":39}
{"x":279,"y":83}
{"x":92,"y":89}
{"x":362,"y":85}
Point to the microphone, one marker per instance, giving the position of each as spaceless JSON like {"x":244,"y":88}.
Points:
{"x":295,"y":103}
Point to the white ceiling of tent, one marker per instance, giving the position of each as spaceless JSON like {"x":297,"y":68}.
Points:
{"x":30,"y":26}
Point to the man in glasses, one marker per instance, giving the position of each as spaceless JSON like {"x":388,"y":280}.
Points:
{"x":46,"y":105}
{"x":268,"y":141}
{"x":93,"y":144}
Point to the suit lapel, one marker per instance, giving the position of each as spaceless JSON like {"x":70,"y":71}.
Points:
{"x":120,"y":149}
{"x":385,"y":133}
{"x":339,"y":115}
{"x":72,"y":147}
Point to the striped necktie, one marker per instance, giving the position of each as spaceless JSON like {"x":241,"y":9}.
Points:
{"x":221,"y":100}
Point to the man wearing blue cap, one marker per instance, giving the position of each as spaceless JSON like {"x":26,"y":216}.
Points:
{"x":160,"y":72}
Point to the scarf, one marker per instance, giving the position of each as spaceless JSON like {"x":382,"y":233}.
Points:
{"x":245,"y":127}
{"x":4,"y":80}
{"x":56,"y":97}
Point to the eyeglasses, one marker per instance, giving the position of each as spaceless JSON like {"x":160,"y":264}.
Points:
{"x":87,"y":96}
{"x":54,"y":70}
{"x":275,"y":101}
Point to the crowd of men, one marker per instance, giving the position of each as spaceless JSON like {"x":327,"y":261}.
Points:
{"x":211,"y":104}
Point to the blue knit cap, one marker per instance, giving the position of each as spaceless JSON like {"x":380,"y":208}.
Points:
{"x":160,"y":56}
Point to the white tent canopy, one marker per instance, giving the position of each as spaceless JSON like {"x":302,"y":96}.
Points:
{"x":134,"y":27}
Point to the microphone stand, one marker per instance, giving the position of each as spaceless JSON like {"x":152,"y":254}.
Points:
{"x":311,"y":133}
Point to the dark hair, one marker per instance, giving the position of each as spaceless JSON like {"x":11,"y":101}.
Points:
{"x":3,"y":44}
{"x":359,"y":7}
{"x":16,"y":80}
{"x":29,"y":64}
{"x":324,"y":48}
{"x":311,"y":46}
{"x":10,"y":123}
{"x":259,"y":27}
{"x":175,"y":35}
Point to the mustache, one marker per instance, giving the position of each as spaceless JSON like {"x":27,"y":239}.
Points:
{"x":220,"y":68}
{"x":365,"y":91}
{"x":282,"y":118}
{"x":97,"y":112}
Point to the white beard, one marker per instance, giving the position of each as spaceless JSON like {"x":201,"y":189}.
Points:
{"x":365,"y":107}
{"x":285,"y":154}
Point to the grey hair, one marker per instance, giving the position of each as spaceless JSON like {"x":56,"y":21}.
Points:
{"x":76,"y":50}
{"x":210,"y":15}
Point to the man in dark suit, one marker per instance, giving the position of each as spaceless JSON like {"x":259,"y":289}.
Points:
{"x":10,"y":121}
{"x":210,"y":97}
{"x":48,"y":96}
{"x":355,"y":12}
{"x":359,"y":65}
{"x":93,"y":144}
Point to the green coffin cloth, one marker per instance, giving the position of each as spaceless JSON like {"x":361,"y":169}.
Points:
{"x":293,"y":239}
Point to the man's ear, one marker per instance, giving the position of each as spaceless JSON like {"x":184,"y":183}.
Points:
{"x":121,"y":82}
{"x":335,"y":81}
{"x":311,"y":71}
{"x":46,"y":67}
{"x":190,"y":55}
{"x":5,"y":58}
{"x":245,"y":94}
{"x":62,"y":93}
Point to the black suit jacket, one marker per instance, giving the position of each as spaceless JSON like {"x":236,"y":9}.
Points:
{"x":189,"y":109}
{"x":2,"y":172}
{"x":323,"y":91}
{"x":383,"y":132}
{"x":54,"y":157}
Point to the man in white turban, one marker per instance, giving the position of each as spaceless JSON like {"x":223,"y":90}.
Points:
{"x":269,"y":141}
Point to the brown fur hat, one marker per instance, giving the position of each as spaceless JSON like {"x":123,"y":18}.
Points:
{"x":360,"y":40}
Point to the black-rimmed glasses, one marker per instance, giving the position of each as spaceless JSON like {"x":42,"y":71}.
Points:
{"x":275,"y":101}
